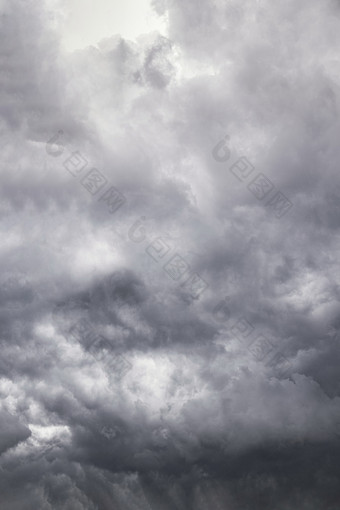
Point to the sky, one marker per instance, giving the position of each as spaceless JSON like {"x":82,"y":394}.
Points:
{"x":169,"y":218}
{"x":84,"y":23}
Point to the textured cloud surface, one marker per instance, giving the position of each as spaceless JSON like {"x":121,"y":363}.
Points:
{"x":169,"y":298}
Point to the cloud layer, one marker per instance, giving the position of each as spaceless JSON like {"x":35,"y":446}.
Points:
{"x":169,"y":295}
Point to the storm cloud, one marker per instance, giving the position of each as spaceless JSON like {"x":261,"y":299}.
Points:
{"x":169,"y":298}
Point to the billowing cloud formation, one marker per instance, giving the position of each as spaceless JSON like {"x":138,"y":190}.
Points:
{"x":12,"y":432}
{"x":169,"y":295}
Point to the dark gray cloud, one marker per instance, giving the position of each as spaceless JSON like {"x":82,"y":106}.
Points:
{"x":169,"y":298}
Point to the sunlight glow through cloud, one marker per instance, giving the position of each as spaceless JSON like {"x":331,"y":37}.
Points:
{"x":86,"y":23}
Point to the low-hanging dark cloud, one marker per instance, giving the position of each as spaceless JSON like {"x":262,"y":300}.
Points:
{"x":169,"y":298}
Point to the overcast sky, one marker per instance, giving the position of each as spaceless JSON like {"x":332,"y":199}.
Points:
{"x":169,"y":217}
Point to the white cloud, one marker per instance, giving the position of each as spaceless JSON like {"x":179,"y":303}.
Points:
{"x":83,"y":24}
